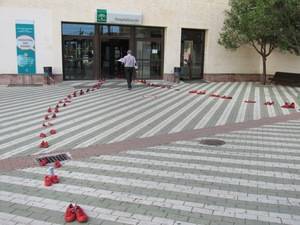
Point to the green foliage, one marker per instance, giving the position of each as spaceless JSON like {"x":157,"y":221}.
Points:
{"x":265,"y":24}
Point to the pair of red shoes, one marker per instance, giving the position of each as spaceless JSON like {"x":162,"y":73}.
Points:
{"x":49,"y":180}
{"x":288,"y":105}
{"x":52,"y":132}
{"x":75,"y":212}
{"x":269,"y":103}
{"x":47,"y":124}
{"x":44,"y":144}
{"x":215,"y":95}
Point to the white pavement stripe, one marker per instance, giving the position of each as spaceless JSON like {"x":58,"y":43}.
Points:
{"x":193,"y":207}
{"x":196,"y":166}
{"x":214,"y":109}
{"x":261,"y":131}
{"x":274,"y":129}
{"x":218,"y":160}
{"x":75,"y":114}
{"x":135,"y":114}
{"x":268,"y":98}
{"x":224,"y":152}
{"x":247,"y":147}
{"x":209,"y":192}
{"x":201,"y":107}
{"x":226,"y":113}
{"x":174,"y":117}
{"x":91,"y":211}
{"x":70,"y":121}
{"x":11,"y":219}
{"x":243,"y":107}
{"x":257,"y":111}
{"x":292,"y":127}
{"x":186,"y":176}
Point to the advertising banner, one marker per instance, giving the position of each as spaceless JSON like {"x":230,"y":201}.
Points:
{"x":25,"y":47}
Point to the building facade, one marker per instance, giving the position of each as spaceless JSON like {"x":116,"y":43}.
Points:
{"x":84,"y":39}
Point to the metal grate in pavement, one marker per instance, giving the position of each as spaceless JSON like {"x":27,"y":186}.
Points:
{"x":213,"y":142}
{"x":53,"y":158}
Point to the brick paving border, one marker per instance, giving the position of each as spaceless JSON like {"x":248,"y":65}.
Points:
{"x":113,"y":148}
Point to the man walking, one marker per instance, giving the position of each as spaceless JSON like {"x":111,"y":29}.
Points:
{"x":130,"y":65}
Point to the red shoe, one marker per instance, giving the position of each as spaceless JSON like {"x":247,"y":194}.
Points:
{"x":215,"y":95}
{"x":44,"y":144}
{"x":57,"y":106}
{"x":201,"y":92}
{"x":64,"y":105}
{"x":69,"y":96}
{"x":47,"y":181}
{"x":60,"y":101}
{"x":81,"y":92}
{"x":43,"y":162}
{"x":292,"y":105}
{"x":43,"y":135}
{"x":53,"y":131}
{"x":56,"y":110}
{"x":54,"y":179}
{"x":46,"y":117}
{"x":49,"y":110}
{"x":193,"y":91}
{"x":54,"y":115}
{"x":70,"y":214}
{"x":57,"y":164}
{"x":87,"y":90}
{"x":286,"y":105}
{"x":80,"y":215}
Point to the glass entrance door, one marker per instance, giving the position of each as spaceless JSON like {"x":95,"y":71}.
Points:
{"x":111,"y":51}
{"x":78,"y":58}
{"x":192,"y":53}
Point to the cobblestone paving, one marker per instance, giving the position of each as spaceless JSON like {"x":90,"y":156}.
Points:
{"x":253,"y":179}
{"x":114,"y":114}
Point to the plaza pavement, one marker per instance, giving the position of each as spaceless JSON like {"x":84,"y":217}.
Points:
{"x":163,"y":174}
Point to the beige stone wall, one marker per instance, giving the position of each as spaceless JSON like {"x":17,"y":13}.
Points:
{"x":171,"y":14}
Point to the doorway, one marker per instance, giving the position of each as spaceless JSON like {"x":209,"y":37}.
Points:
{"x":111,"y":51}
{"x":192,"y":53}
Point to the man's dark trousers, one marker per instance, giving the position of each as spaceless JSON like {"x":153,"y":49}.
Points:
{"x":129,"y":74}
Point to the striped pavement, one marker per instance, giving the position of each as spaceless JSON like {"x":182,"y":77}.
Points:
{"x":254,"y":178}
{"x":113,"y":113}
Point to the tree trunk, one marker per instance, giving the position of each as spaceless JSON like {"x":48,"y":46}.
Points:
{"x":264,"y":58}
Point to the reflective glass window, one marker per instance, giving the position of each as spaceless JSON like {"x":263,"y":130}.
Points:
{"x":146,"y":32}
{"x":78,"y":29}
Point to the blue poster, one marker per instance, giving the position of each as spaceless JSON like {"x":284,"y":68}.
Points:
{"x":25,"y":48}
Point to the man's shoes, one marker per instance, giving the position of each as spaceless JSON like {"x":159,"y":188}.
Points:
{"x":80,"y":214}
{"x":70,"y":214}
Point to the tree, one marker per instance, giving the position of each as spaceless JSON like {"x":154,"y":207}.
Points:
{"x":264,"y":24}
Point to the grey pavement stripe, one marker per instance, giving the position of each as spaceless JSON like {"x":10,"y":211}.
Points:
{"x":261,"y":131}
{"x":243,"y":107}
{"x":88,"y":105}
{"x":24,"y":107}
{"x":247,"y":147}
{"x":133,"y":115}
{"x":68,"y":121}
{"x":11,"y":219}
{"x":41,"y":109}
{"x":258,"y":138}
{"x":192,"y":115}
{"x":257,"y":107}
{"x":233,"y":195}
{"x":224,"y":152}
{"x":205,"y":119}
{"x":95,"y":212}
{"x":294,"y":127}
{"x":216,"y":168}
{"x":216,"y":159}
{"x":230,"y":106}
{"x":183,"y":98}
{"x":149,"y":200}
{"x":196,"y":100}
{"x":69,"y":114}
{"x":186,"y":176}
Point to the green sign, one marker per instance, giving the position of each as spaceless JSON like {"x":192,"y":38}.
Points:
{"x":101,"y":15}
{"x":25,"y":47}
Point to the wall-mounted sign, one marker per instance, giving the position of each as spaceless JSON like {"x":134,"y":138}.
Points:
{"x":105,"y":16}
{"x":25,"y":47}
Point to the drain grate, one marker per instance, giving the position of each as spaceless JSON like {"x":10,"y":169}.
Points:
{"x":213,"y":142}
{"x":53,"y":158}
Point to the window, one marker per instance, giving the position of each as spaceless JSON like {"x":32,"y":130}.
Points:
{"x":78,"y":29}
{"x":146,"y":32}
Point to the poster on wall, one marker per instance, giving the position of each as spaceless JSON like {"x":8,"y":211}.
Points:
{"x":25,"y":47}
